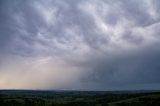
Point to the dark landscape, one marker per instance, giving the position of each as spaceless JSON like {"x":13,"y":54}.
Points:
{"x":79,"y":98}
{"x":79,"y":52}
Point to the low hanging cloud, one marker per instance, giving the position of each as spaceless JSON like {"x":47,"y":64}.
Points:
{"x":83,"y":45}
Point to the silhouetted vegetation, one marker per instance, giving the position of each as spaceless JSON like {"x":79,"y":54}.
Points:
{"x":78,"y":98}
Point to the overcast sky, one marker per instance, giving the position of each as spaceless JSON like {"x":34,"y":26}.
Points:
{"x":80,"y":44}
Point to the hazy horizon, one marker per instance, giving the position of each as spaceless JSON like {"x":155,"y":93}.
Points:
{"x":96,"y":45}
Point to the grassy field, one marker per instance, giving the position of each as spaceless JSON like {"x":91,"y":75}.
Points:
{"x":79,"y":98}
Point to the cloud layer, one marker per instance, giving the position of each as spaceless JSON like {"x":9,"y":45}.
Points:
{"x":83,"y":45}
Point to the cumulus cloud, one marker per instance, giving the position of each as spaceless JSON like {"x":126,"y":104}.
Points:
{"x":85,"y":44}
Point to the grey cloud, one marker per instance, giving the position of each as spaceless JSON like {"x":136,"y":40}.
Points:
{"x":126,"y":68}
{"x":132,"y":38}
{"x":111,"y":43}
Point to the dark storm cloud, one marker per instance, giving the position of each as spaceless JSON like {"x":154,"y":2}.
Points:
{"x":110,"y":44}
{"x":126,"y":68}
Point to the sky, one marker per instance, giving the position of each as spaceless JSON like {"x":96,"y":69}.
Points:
{"x":80,"y":44}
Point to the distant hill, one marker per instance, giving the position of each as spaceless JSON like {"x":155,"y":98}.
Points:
{"x":79,"y":98}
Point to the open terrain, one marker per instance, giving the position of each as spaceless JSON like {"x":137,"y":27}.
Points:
{"x":79,"y":98}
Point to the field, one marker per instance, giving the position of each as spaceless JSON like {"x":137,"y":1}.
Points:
{"x":78,"y":98}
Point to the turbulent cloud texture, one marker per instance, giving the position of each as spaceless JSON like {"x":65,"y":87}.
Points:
{"x":80,"y":44}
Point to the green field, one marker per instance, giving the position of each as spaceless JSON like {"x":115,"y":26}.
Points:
{"x":79,"y":98}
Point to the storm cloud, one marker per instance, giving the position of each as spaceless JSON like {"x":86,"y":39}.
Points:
{"x":80,"y":45}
